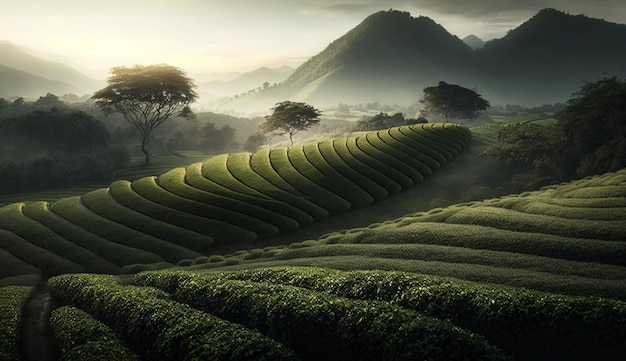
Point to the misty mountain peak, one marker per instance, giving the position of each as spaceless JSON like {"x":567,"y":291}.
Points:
{"x":383,"y":41}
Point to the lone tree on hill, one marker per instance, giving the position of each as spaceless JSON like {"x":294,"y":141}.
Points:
{"x":453,"y":101}
{"x":289,"y":118}
{"x":147,"y":96}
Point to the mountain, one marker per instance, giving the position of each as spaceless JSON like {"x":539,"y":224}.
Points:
{"x":550,"y":56}
{"x":13,"y":57}
{"x":391,"y":56}
{"x":473,"y":42}
{"x":15,"y":82}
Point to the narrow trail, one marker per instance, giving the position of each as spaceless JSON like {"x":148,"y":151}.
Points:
{"x":36,"y":341}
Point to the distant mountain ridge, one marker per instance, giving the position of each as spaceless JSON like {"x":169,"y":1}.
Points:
{"x":13,"y":57}
{"x":15,"y":82}
{"x":391,"y":56}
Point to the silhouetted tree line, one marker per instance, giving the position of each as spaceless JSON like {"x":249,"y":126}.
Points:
{"x":47,"y":144}
{"x":384,"y":121}
{"x":207,"y":138}
{"x":589,"y":137}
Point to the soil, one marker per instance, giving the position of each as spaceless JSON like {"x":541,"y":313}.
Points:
{"x":36,"y":340}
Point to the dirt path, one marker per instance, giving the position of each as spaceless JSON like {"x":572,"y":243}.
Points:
{"x":36,"y":341}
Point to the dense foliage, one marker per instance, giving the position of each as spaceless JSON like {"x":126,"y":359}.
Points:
{"x":508,"y":317}
{"x":80,"y":337}
{"x":589,"y":137}
{"x":47,"y":144}
{"x":290,"y":118}
{"x":453,"y":101}
{"x":12,"y":300}
{"x":158,"y":328}
{"x":147,"y":96}
{"x":383,"y":121}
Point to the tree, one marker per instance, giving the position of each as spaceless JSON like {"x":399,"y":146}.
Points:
{"x":147,"y":96}
{"x":453,"y":101}
{"x":289,"y":118}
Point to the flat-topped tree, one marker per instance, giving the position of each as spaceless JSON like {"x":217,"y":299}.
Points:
{"x":453,"y":101}
{"x":147,"y":96}
{"x":289,"y":118}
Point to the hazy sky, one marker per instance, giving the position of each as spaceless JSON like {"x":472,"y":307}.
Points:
{"x":206,"y":36}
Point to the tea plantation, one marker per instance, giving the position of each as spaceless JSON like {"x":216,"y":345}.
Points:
{"x":230,"y":200}
{"x":534,"y":276}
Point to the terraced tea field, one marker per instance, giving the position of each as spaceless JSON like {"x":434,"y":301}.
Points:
{"x":229,"y":200}
{"x":534,"y":276}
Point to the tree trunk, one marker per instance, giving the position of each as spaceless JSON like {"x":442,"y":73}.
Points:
{"x":144,"y":148}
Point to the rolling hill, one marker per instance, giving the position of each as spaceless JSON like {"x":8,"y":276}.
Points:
{"x":14,"y":82}
{"x":43,"y":76}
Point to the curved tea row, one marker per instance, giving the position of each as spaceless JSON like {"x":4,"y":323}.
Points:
{"x":231,"y":197}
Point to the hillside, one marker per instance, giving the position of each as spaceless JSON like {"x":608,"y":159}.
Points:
{"x":14,"y":82}
{"x":226,"y":202}
{"x":43,"y":76}
{"x":535,"y":276}
{"x":391,"y":56}
{"x":549,"y":56}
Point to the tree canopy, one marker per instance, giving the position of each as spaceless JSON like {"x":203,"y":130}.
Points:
{"x":589,"y":137}
{"x":289,"y":118}
{"x":453,"y":101}
{"x":147,"y":96}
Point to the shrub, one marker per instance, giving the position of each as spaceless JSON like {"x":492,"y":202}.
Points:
{"x":320,"y":326}
{"x":81,"y":337}
{"x":12,"y":301}
{"x":528,"y":324}
{"x":160,"y":329}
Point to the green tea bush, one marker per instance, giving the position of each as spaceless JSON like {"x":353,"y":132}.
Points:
{"x":49,"y":263}
{"x":320,"y":326}
{"x":280,"y":160}
{"x":14,"y":220}
{"x":116,"y":253}
{"x":526,"y":222}
{"x":369,"y":170}
{"x":419,"y":134}
{"x":260,"y":163}
{"x":528,"y":324}
{"x":157,"y":328}
{"x":280,"y":214}
{"x":216,"y":169}
{"x":406,"y":175}
{"x":240,"y":166}
{"x":357,"y":148}
{"x":405,"y":136}
{"x":81,"y":337}
{"x":480,"y":237}
{"x":195,"y":179}
{"x":102,"y":203}
{"x":12,"y":301}
{"x":423,"y":163}
{"x":329,"y":176}
{"x":412,"y":167}
{"x":14,"y":266}
{"x":453,"y":144}
{"x":329,"y":154}
{"x":145,"y":196}
{"x":72,"y":210}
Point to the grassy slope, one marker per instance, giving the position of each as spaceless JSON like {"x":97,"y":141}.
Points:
{"x":223,"y":203}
